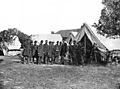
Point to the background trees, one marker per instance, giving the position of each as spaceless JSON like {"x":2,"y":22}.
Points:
{"x":7,"y":36}
{"x":109,"y":23}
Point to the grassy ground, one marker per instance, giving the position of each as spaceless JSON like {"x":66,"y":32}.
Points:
{"x":19,"y":76}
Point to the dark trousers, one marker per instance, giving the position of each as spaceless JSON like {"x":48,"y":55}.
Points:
{"x":39,"y":59}
{"x":62,"y":59}
{"x":45,"y":58}
{"x":35,"y":57}
{"x":74,"y":58}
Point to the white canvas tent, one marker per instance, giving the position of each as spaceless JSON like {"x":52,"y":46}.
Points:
{"x":49,"y":37}
{"x":15,"y":43}
{"x":85,"y":29}
{"x":111,"y":44}
{"x":72,"y":36}
{"x":13,"y":47}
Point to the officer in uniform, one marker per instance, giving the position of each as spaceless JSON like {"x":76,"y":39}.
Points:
{"x":80,"y":54}
{"x":45,"y":51}
{"x":57,"y":51}
{"x":40,"y":52}
{"x":50,"y":52}
{"x":70,"y":51}
{"x":31,"y":54}
{"x":74,"y":53}
{"x":35,"y":52}
{"x":27,"y":52}
{"x":63,"y":51}
{"x":96,"y":55}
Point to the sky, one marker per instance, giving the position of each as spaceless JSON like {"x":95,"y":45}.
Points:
{"x":44,"y":16}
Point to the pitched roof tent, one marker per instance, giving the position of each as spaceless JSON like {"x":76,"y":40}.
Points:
{"x":85,"y":29}
{"x":65,"y":33}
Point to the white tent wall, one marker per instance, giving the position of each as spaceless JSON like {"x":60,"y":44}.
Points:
{"x":79,"y":35}
{"x":72,"y":36}
{"x":15,"y":44}
{"x":111,"y":44}
{"x":49,"y":37}
{"x":14,"y":47}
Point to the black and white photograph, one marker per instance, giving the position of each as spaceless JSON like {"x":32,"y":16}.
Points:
{"x":59,"y":44}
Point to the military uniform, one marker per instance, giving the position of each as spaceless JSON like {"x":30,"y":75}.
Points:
{"x":57,"y":52}
{"x":45,"y":51}
{"x":27,"y":52}
{"x":80,"y":54}
{"x":74,"y":54}
{"x":50,"y":52}
{"x":40,"y":53}
{"x":63,"y":52}
{"x":35,"y":52}
{"x":95,"y":54}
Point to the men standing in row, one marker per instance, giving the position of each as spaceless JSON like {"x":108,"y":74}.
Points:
{"x":76,"y":53}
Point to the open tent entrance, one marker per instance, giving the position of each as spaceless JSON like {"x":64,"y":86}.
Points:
{"x":85,"y":41}
{"x":88,"y":38}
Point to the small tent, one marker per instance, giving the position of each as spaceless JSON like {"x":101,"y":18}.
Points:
{"x":88,"y":38}
{"x":15,"y":44}
{"x":87,"y":32}
{"x":49,"y":37}
{"x":14,"y":47}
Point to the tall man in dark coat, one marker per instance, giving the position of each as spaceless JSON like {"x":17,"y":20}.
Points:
{"x":27,"y":52}
{"x":96,"y":54}
{"x":57,"y":49}
{"x":40,"y":52}
{"x":45,"y":51}
{"x":74,"y":53}
{"x":35,"y":52}
{"x":63,"y":51}
{"x":80,"y":54}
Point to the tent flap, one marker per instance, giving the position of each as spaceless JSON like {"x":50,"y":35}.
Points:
{"x":85,"y":29}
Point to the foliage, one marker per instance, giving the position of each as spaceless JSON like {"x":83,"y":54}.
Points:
{"x":109,"y":22}
{"x":23,"y":38}
{"x":7,"y":36}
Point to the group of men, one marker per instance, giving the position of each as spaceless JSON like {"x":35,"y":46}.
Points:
{"x":42,"y":53}
{"x":81,"y":55}
{"x":58,"y":52}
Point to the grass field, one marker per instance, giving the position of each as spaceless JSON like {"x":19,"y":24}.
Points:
{"x":19,"y":76}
